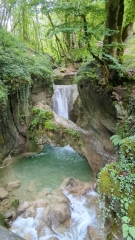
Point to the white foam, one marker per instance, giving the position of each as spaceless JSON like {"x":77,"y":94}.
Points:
{"x":68,"y":147}
{"x":27,"y":226}
{"x":82,"y":216}
{"x":92,"y":193}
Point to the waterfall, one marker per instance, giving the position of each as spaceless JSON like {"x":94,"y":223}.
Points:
{"x":64,"y":98}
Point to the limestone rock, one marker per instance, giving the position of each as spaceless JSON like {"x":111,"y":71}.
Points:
{"x":3,"y":193}
{"x":13,"y":185}
{"x":93,"y":233}
{"x":32,"y":187}
{"x":22,"y":208}
{"x":5,"y":234}
{"x":57,"y":214}
{"x":29,"y":212}
{"x":75,"y":186}
{"x":8,"y":214}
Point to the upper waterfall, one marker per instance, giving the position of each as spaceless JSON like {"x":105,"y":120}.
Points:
{"x":64,"y":98}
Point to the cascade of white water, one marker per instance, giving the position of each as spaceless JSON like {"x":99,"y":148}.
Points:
{"x":82,"y":216}
{"x":63,"y":99}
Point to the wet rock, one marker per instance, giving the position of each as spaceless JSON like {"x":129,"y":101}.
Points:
{"x":30,"y":212}
{"x":44,"y":193}
{"x":8,"y":214}
{"x":56,"y":214}
{"x":8,"y":235}
{"x":1,"y":209}
{"x":40,"y":203}
{"x":32,"y":187}
{"x":121,"y":112}
{"x":75,"y":186}
{"x":21,"y":209}
{"x":93,"y":233}
{"x":13,"y":185}
{"x":3,"y":193}
{"x":8,"y":222}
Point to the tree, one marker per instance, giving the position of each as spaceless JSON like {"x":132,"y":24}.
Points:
{"x":129,"y":19}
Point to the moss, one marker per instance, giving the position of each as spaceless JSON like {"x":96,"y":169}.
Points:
{"x":2,"y":220}
{"x":128,"y":147}
{"x":106,"y":183}
{"x":15,"y":203}
{"x":72,"y":133}
{"x":1,"y":139}
{"x":50,"y":125}
{"x":131,"y":209}
{"x":114,"y":231}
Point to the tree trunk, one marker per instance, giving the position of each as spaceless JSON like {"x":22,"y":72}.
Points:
{"x":114,"y":20}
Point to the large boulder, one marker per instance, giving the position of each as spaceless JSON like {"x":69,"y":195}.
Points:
{"x":75,"y":186}
{"x":58,"y":214}
{"x":13,"y":185}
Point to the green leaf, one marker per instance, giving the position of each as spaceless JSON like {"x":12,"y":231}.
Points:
{"x":126,"y":206}
{"x":132,"y":231}
{"x":129,"y":238}
{"x":126,"y":219}
{"x":125,"y":229}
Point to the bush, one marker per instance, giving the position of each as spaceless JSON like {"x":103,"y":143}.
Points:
{"x":19,"y":65}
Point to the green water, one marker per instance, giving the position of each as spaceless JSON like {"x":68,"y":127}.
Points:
{"x":47,"y":169}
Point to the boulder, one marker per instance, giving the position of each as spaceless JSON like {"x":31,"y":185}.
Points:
{"x":13,"y":185}
{"x":93,"y":233}
{"x":3,"y":193}
{"x":75,"y":186}
{"x":8,"y":214}
{"x":32,"y":186}
{"x":56,"y":214}
{"x":29,"y":212}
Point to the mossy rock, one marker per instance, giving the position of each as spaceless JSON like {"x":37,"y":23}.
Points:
{"x":106,"y":184}
{"x":109,"y":186}
{"x":2,"y":220}
{"x":128,"y":147}
{"x":131,"y":209}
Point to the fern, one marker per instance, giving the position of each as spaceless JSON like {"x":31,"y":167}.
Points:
{"x":116,"y":140}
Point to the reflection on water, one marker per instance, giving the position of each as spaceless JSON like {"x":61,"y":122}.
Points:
{"x":47,"y":169}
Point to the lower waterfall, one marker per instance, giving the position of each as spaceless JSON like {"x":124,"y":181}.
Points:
{"x":64,"y":98}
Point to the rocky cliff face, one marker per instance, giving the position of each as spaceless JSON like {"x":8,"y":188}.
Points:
{"x":15,"y":120}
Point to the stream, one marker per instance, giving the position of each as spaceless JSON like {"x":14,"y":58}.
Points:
{"x":44,"y":172}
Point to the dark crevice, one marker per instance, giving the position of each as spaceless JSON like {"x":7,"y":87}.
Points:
{"x":12,"y":114}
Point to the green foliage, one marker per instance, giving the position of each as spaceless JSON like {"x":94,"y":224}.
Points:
{"x":15,"y":203}
{"x":41,"y":122}
{"x":127,"y":149}
{"x":72,"y":132}
{"x":2,"y":220}
{"x":116,"y":140}
{"x":128,"y":57}
{"x":129,"y":16}
{"x":3,"y":94}
{"x":128,"y":231}
{"x":88,"y":71}
{"x":39,"y":117}
{"x":20,"y":67}
{"x":117,"y":181}
{"x":49,"y":125}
